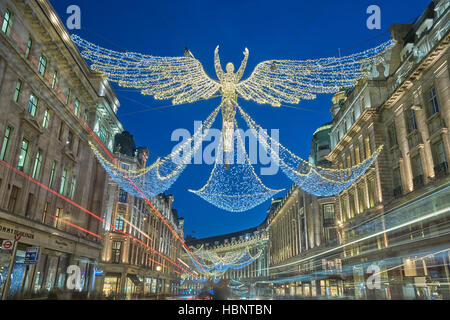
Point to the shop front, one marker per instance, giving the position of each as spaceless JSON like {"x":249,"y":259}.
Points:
{"x":56,"y":254}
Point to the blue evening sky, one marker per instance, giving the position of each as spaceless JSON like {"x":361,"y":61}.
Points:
{"x":280,"y":29}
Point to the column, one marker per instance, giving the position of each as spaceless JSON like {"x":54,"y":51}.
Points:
{"x":425,"y":154}
{"x":402,"y":137}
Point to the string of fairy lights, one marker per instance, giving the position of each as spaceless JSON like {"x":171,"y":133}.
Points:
{"x":215,"y":265}
{"x":233,"y":184}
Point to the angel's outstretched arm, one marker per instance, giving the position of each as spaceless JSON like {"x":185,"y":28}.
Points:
{"x":241,"y":70}
{"x":217,"y":65}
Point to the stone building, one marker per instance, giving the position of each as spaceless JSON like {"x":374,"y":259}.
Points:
{"x":52,"y":106}
{"x":405,"y":106}
{"x":127,"y":268}
{"x":394,"y":221}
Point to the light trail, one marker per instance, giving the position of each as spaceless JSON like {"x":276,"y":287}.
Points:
{"x":136,"y":228}
{"x":431,"y":215}
{"x":183,"y":263}
{"x":74,"y":226}
{"x":159,"y":263}
{"x":86,"y":211}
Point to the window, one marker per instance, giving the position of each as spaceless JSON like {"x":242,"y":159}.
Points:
{"x":85,"y":115}
{"x":62,"y":187}
{"x":29,"y":206}
{"x":46,"y":120}
{"x":103,"y":134}
{"x":367,"y":147}
{"x":29,"y":46}
{"x":52,"y":175}
{"x":433,"y":102}
{"x":69,"y":140}
{"x":55,"y":80}
{"x":37,"y":165}
{"x":397,"y":181}
{"x":13,"y":199}
{"x":122,"y":196}
{"x":116,"y":251}
{"x":416,"y":164}
{"x":32,"y":105}
{"x":72,"y":187}
{"x":42,"y":66}
{"x":61,"y":131}
{"x":412,"y":122}
{"x":392,"y":134}
{"x":58,"y":215}
{"x":4,"y":151}
{"x":17,"y":91}
{"x":439,"y":153}
{"x":45,"y":211}
{"x":119,"y":223}
{"x":372,"y":194}
{"x":23,"y":153}
{"x":76,"y":108}
{"x":69,"y":94}
{"x":7,"y":22}
{"x":328,"y":215}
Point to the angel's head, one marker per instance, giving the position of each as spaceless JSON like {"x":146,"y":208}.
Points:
{"x":230,"y":68}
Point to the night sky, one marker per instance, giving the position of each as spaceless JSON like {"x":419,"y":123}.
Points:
{"x":282,"y":29}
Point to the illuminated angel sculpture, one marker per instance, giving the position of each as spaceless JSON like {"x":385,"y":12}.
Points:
{"x":275,"y":82}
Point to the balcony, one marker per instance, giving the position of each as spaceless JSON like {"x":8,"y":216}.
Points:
{"x":418,"y":181}
{"x":441,"y":170}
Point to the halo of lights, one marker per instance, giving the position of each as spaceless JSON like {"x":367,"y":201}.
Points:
{"x":234,"y":188}
{"x":215,"y":264}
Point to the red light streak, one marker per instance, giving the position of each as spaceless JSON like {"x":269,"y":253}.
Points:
{"x":84,"y":210}
{"x":74,"y":226}
{"x":141,"y":193}
{"x":156,"y":262}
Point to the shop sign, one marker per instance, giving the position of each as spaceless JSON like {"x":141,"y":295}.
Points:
{"x":32,"y":256}
{"x":13,"y":231}
{"x":7,"y":245}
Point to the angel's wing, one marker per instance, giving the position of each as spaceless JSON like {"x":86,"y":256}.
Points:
{"x":286,"y":81}
{"x":181,"y":79}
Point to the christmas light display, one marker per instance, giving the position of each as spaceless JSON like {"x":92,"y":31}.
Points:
{"x":322,"y":182}
{"x":158,"y":177}
{"x":216,"y":265}
{"x":233,"y":186}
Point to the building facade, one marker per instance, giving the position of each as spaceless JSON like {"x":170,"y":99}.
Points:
{"x":393,"y":223}
{"x":127,"y":268}
{"x":52,"y":105}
